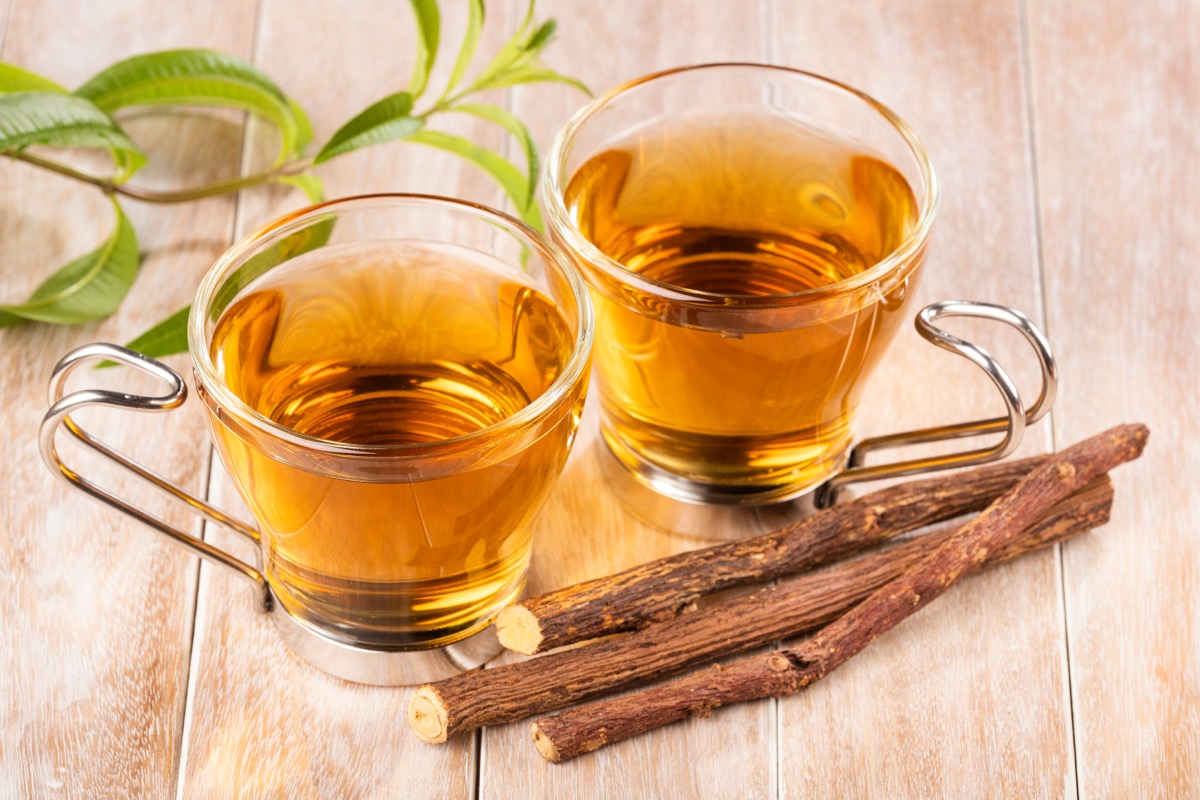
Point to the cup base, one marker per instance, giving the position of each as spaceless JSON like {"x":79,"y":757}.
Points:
{"x":706,"y":493}
{"x":381,"y":667}
{"x":690,"y":508}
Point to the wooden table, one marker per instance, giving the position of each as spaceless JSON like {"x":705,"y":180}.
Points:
{"x":1066,"y":135}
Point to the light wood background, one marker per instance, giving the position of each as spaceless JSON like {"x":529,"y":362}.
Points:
{"x":1066,"y":134}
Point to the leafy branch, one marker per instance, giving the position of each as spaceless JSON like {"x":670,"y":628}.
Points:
{"x":38,"y":115}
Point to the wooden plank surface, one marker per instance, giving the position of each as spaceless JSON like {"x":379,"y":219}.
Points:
{"x":262,"y":723}
{"x":97,"y":611}
{"x":122,"y":674}
{"x":1116,"y":93}
{"x":584,"y":532}
{"x":969,"y":699}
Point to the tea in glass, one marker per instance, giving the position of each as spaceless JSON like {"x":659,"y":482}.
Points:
{"x":386,"y":345}
{"x":749,"y":264}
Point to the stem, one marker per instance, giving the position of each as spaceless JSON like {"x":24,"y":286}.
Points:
{"x":213,"y":189}
{"x":106,"y":186}
{"x":445,"y":103}
{"x":180,"y":196}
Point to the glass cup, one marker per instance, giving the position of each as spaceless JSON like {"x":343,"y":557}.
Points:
{"x":752,"y":237}
{"x":394,"y":383}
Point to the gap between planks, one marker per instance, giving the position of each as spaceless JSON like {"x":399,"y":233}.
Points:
{"x":195,"y":647}
{"x":1027,"y":67}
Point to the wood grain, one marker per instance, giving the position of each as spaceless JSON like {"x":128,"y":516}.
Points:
{"x":1115,"y":92}
{"x":96,"y":621}
{"x":789,"y":608}
{"x":262,"y":723}
{"x":656,"y":591}
{"x":604,"y":44}
{"x":991,"y":717}
{"x":96,"y":617}
{"x":581,"y":730}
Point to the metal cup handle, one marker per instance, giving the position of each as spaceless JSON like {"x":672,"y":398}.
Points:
{"x":1013,"y":425}
{"x":59,"y":416}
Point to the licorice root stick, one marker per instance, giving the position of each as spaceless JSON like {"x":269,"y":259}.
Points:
{"x":590,"y":727}
{"x":797,"y":605}
{"x":660,"y":590}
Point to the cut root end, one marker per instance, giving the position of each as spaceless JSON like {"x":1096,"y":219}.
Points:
{"x":518,"y":630}
{"x":544,"y":746}
{"x":427,"y":716}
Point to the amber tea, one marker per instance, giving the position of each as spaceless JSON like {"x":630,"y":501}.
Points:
{"x":394,"y":382}
{"x":727,"y":355}
{"x":389,"y":346}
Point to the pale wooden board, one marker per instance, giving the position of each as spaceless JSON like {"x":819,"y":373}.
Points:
{"x":584,"y":531}
{"x":94,"y":650}
{"x":1116,"y":90}
{"x":336,"y":60}
{"x":968,"y":699}
{"x":261,"y":723}
{"x":96,"y":616}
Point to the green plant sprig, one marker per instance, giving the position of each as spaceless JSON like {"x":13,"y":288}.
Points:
{"x":36,"y":112}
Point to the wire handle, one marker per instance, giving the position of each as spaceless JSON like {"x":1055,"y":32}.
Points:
{"x":1013,"y":425}
{"x":59,"y":416}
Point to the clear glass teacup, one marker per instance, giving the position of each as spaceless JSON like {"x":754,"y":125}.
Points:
{"x":394,"y":383}
{"x":752,"y":236}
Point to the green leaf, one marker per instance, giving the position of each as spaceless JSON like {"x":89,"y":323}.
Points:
{"x":517,"y":61}
{"x":198,"y":77}
{"x":510,"y":121}
{"x":428,"y":31}
{"x":311,"y":185}
{"x":533,"y":74}
{"x":304,"y":131}
{"x":519,"y":35}
{"x":508,"y":176}
{"x":15,"y":79}
{"x":59,"y":120}
{"x":88,"y":288}
{"x":470,"y":41}
{"x":509,"y":52}
{"x":164,"y":339}
{"x":541,"y":37}
{"x":127,"y":164}
{"x":385,"y":121}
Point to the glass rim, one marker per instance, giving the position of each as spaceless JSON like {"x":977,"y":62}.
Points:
{"x":539,"y":407}
{"x":554,"y":183}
